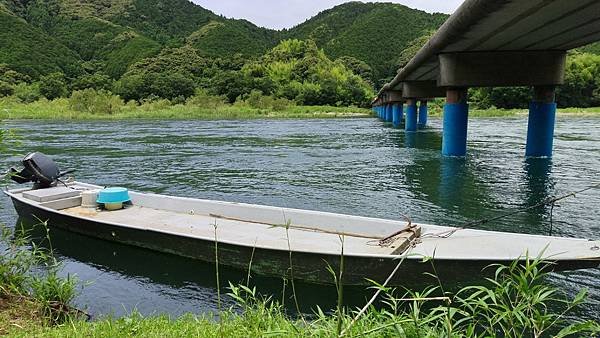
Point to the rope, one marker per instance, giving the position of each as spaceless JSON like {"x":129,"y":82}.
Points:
{"x":551,"y":200}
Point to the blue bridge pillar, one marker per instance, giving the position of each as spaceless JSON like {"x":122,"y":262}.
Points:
{"x":422,"y":114}
{"x":388,"y":112}
{"x":540,"y":127}
{"x":411,"y":115}
{"x":380,"y":112}
{"x":456,"y":112}
{"x":397,"y":112}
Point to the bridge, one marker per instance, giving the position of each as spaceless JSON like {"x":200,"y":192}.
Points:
{"x":492,"y":43}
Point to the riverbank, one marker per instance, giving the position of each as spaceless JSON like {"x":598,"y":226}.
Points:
{"x":516,"y":304}
{"x":62,"y":109}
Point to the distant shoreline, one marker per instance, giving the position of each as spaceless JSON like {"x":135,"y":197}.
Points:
{"x":50,"y":110}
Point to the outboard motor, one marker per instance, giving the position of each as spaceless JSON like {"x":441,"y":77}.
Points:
{"x":39,"y":169}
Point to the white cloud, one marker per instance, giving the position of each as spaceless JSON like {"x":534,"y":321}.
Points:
{"x":288,"y":13}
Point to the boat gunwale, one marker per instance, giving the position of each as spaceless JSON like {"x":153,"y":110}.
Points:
{"x":405,"y":255}
{"x":234,"y":243}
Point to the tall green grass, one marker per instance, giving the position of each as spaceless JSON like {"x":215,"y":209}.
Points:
{"x":101,"y":106}
{"x":516,"y":302}
{"x":28,"y":272}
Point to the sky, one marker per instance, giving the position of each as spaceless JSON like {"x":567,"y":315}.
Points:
{"x":280,"y":14}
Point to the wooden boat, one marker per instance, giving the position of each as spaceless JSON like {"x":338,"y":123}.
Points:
{"x":266,"y":239}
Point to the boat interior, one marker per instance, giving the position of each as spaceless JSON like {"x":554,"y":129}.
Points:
{"x":306,"y":231}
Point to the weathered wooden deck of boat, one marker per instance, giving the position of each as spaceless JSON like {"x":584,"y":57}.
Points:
{"x":263,"y":237}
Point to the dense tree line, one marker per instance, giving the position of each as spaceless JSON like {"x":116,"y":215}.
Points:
{"x":295,"y":70}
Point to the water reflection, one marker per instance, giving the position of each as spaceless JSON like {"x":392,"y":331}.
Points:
{"x":175,"y":274}
{"x":354,"y":166}
{"x":539,"y":187}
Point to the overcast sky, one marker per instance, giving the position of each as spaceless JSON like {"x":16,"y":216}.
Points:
{"x":288,"y":13}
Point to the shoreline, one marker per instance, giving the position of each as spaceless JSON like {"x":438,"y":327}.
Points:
{"x":49,"y":111}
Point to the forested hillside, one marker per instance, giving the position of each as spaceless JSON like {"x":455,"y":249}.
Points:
{"x":375,"y":33}
{"x":170,"y":49}
{"x":118,"y":33}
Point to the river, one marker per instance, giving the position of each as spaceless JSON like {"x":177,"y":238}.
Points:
{"x":355,"y":166}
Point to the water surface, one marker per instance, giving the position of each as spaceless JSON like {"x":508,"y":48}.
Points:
{"x":355,"y":166}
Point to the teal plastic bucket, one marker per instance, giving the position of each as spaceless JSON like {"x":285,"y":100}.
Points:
{"x":113,"y":195}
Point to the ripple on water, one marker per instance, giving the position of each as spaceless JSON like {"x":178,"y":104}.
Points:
{"x":355,"y":166}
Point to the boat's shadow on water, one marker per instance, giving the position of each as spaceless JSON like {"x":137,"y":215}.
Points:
{"x":167,"y":271}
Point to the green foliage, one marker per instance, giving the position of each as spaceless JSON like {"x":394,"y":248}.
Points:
{"x":148,"y":46}
{"x":218,"y":38}
{"x":116,"y":47}
{"x":299,"y":71}
{"x":27,"y":93}
{"x":413,"y":48}
{"x":256,"y":99}
{"x":29,"y":50}
{"x":161,"y":85}
{"x":95,"y":101}
{"x":6,"y":89}
{"x":53,"y":85}
{"x":97,"y":80}
{"x":357,"y":67}
{"x":375,"y":33}
{"x":54,"y":294}
{"x":11,"y":76}
{"x":20,"y":274}
{"x":582,"y":81}
{"x":500,"y":97}
{"x":202,"y":99}
{"x":593,"y":48}
{"x":516,"y":303}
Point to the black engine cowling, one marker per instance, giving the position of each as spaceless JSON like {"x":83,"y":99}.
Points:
{"x":39,"y":169}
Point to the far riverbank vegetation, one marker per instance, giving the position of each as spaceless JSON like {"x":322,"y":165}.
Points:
{"x":295,"y":79}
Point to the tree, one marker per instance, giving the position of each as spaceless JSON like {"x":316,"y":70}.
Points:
{"x":582,"y":81}
{"x":6,"y":89}
{"x":53,"y":85}
{"x":98,"y":80}
{"x":357,"y":67}
{"x":297,"y":70}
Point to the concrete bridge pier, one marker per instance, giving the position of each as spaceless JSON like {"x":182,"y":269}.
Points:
{"x":410,"y":124}
{"x":397,"y":114}
{"x":540,"y":127}
{"x":388,"y":112}
{"x":422,"y":114}
{"x":455,"y":122}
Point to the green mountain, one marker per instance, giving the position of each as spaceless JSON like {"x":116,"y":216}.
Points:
{"x":375,"y":33}
{"x":119,"y":33}
{"x":116,"y":34}
{"x":29,"y":50}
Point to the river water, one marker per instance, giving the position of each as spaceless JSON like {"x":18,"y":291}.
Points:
{"x":354,"y":166}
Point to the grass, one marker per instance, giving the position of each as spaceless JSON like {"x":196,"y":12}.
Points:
{"x":496,"y":112}
{"x":516,"y":304}
{"x":59,"y":109}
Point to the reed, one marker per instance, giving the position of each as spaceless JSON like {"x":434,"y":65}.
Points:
{"x":21,"y":260}
{"x":291,"y":268}
{"x":217,"y":267}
